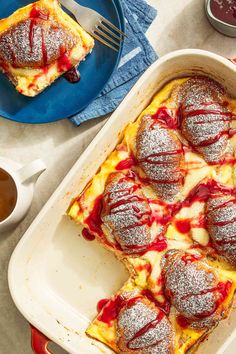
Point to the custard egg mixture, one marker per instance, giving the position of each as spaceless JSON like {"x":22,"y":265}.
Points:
{"x":164,"y":203}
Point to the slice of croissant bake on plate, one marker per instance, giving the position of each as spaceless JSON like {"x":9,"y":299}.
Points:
{"x":39,"y":43}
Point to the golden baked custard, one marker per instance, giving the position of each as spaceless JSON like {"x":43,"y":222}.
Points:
{"x":39,"y":43}
{"x":164,"y":203}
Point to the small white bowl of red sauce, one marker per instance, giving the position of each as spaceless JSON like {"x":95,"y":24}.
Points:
{"x":222,"y":15}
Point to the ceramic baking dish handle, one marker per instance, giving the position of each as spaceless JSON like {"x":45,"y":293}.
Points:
{"x":39,"y":342}
{"x":233,"y":60}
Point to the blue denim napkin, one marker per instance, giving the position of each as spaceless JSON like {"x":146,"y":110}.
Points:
{"x":137,"y":56}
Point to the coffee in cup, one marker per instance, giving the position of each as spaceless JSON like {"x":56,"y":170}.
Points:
{"x":8,"y":195}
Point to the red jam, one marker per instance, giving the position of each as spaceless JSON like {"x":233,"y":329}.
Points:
{"x":224,"y":10}
{"x":225,"y":117}
{"x":87,"y":235}
{"x":44,"y":49}
{"x":232,"y":132}
{"x":147,"y":267}
{"x":31,"y":35}
{"x":202,"y":192}
{"x":64,"y":63}
{"x":183,"y":226}
{"x":72,"y":76}
{"x":94,"y":221}
{"x":126,"y":164}
{"x":183,"y":321}
{"x":223,"y":290}
{"x":164,"y":306}
{"x":101,"y":304}
{"x":159,"y":245}
{"x":36,"y":13}
{"x":163,"y":116}
{"x":202,"y":112}
{"x":199,"y":222}
{"x":189,"y":258}
{"x":149,"y":159}
{"x":111,"y":309}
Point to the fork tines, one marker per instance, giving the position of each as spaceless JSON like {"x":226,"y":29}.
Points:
{"x":109,"y":36}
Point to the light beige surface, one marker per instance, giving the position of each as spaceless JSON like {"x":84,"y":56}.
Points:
{"x":180,"y":24}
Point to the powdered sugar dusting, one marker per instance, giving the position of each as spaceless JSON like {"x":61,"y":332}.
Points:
{"x":23,"y":45}
{"x":131,"y":320}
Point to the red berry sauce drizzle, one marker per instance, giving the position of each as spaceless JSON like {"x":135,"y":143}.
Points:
{"x":112,"y":307}
{"x":35,"y":15}
{"x":94,"y":223}
{"x":145,"y":329}
{"x":183,"y":225}
{"x":126,"y":164}
{"x":164,"y":306}
{"x":164,"y":117}
{"x":87,"y":235}
{"x":72,"y":75}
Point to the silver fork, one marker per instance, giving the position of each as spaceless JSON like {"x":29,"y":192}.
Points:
{"x":96,"y":25}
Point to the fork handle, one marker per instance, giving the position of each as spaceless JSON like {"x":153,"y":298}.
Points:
{"x":72,"y":5}
{"x":39,"y":342}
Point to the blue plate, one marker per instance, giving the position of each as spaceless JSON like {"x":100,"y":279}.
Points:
{"x":63,"y":99}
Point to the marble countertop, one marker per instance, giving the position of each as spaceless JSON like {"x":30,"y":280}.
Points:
{"x":180,"y":24}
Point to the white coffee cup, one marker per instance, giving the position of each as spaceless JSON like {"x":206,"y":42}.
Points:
{"x":24,"y":178}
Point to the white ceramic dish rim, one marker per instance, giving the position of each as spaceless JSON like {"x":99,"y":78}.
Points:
{"x":16,"y":260}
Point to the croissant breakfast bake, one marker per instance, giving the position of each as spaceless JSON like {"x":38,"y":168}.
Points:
{"x":39,"y":43}
{"x":164,"y":203}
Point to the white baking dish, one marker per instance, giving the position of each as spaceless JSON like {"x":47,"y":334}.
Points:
{"x":55,"y":276}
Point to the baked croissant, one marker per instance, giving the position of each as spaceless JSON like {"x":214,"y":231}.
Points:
{"x":221,"y":224}
{"x":205,"y":121}
{"x":160,"y":154}
{"x":194,"y":288}
{"x":127,"y":213}
{"x":144,"y":329}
